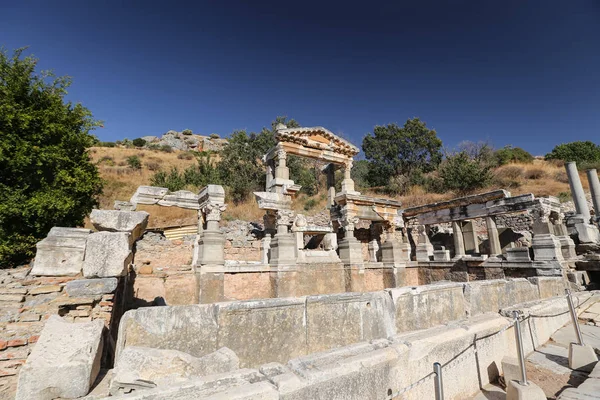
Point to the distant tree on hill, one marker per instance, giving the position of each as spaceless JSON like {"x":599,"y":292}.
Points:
{"x":46,"y":176}
{"x":510,"y":154}
{"x":580,"y":152}
{"x":394,"y":151}
{"x":139,"y":142}
{"x":463,"y":172}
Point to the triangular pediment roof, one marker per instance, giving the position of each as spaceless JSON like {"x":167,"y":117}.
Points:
{"x":317,"y":137}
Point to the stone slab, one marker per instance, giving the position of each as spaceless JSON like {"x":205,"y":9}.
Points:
{"x":191,"y":329}
{"x":166,"y":367}
{"x":91,"y":287}
{"x":64,"y":362}
{"x":61,"y":253}
{"x":551,"y":357}
{"x":134,"y":222}
{"x":262,"y":331}
{"x":107,"y":254}
{"x":566,"y":335}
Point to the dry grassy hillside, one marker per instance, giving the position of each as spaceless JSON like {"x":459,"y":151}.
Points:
{"x":541,"y":178}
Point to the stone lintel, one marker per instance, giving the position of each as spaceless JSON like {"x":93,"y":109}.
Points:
{"x":493,"y":207}
{"x":458,"y":202}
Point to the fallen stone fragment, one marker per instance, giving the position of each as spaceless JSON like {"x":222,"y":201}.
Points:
{"x":61,"y":252}
{"x":107,"y":254}
{"x":134,"y":222}
{"x":64,"y":362}
{"x":145,"y":368}
{"x":91,"y":287}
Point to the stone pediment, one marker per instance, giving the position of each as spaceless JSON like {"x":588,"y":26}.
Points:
{"x":317,"y":138}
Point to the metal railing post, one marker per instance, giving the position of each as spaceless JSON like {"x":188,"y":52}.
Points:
{"x":439,"y":384}
{"x":520,"y":351}
{"x":574,"y":318}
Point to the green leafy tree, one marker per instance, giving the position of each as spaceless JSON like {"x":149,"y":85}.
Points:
{"x":580,"y":152}
{"x":46,"y":176}
{"x":138,"y":142}
{"x":240,"y":167}
{"x":509,"y":154}
{"x":394,"y":150}
{"x":463,"y":173}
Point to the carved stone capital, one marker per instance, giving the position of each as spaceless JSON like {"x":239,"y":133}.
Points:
{"x":285,"y":217}
{"x":281,"y":155}
{"x":213,"y":211}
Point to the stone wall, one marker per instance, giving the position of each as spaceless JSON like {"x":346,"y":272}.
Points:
{"x":276,"y":330}
{"x":26,"y":302}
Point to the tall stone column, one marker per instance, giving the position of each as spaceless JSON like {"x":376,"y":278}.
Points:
{"x":592,"y":176}
{"x":330,"y":171}
{"x":283,"y":246}
{"x":210,"y":278}
{"x":459,"y":243}
{"x":493,"y":236}
{"x":577,"y":192}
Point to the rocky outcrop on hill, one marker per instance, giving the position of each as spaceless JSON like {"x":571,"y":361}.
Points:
{"x":187,"y":141}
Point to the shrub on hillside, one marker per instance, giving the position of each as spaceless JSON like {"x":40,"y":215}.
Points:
{"x":186,"y":155}
{"x":107,"y":160}
{"x":47,"y":178}
{"x":535,"y":173}
{"x":580,"y":152}
{"x":153,"y":166}
{"x":509,"y":176}
{"x":463,"y":174}
{"x":139,"y":142}
{"x":165,"y":148}
{"x":172,"y":180}
{"x":106,"y":144}
{"x":310,"y":204}
{"x":509,"y":154}
{"x":134,"y":162}
{"x":214,"y":136}
{"x":187,"y":132}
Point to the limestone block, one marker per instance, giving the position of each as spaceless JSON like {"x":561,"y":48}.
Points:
{"x":516,"y":391}
{"x":582,"y":357}
{"x":166,"y":367}
{"x":124,"y":205}
{"x":181,"y":198}
{"x":426,"y":306}
{"x":520,"y":290}
{"x":587,"y":233}
{"x":213,"y":194}
{"x":91,"y":287}
{"x":485,"y":296}
{"x":107,"y":254}
{"x":346,"y":318}
{"x":61,"y":253}
{"x":546,"y":247}
{"x":64,"y":362}
{"x":511,"y":369}
{"x":148,"y":290}
{"x":351,"y":250}
{"x":261,"y":331}
{"x":441,"y":255}
{"x":549,"y":286}
{"x":148,"y":195}
{"x":134,"y":222}
{"x":518,"y":254}
{"x":192,"y":329}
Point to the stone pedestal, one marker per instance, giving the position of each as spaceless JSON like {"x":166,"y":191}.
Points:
{"x":210,"y":248}
{"x":441,"y":255}
{"x":211,"y":286}
{"x":392,"y":253}
{"x":518,"y":254}
{"x":350,"y":250}
{"x":546,"y":247}
{"x":283,"y":250}
{"x":582,"y":357}
{"x":516,"y":391}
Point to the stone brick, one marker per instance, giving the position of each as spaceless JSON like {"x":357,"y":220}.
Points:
{"x":181,"y":290}
{"x":107,"y":255}
{"x":12,"y":297}
{"x":45,"y":289}
{"x":145,"y":270}
{"x":17,"y":342}
{"x":91,"y":287}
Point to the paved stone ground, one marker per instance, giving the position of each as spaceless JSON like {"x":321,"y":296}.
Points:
{"x":548,"y":367}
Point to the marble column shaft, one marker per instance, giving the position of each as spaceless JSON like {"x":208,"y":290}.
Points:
{"x":493,"y":237}
{"x":592,"y":176}
{"x":577,"y":192}
{"x":459,"y":243}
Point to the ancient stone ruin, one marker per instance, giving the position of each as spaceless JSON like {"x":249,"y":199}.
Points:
{"x":354,"y":303}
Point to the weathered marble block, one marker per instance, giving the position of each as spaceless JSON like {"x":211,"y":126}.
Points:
{"x":134,"y":222}
{"x":61,"y":253}
{"x":91,"y":287}
{"x":64,"y":363}
{"x":108,"y":254}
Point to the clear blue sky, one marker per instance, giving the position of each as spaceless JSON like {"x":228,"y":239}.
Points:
{"x":517,"y":72}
